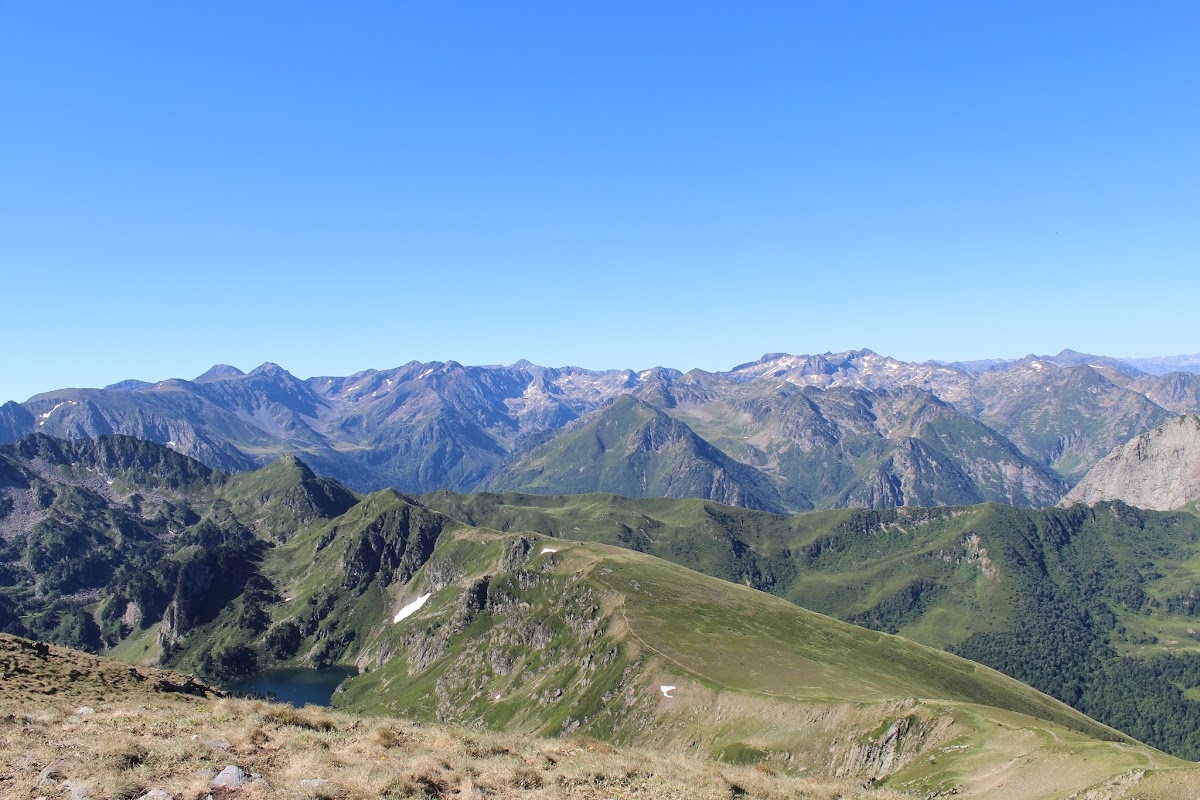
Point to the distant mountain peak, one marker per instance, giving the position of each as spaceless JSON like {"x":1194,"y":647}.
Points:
{"x":128,"y":385}
{"x":219,"y":372}
{"x":269,"y":368}
{"x":1162,"y":365}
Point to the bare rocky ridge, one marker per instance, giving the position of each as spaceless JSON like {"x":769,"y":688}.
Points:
{"x":1158,"y":470}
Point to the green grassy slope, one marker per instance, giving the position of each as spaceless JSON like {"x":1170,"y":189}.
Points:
{"x":1080,"y":603}
{"x":582,"y":640}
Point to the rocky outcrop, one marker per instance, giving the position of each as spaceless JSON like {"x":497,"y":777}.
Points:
{"x":392,"y":546}
{"x":1158,"y":470}
{"x":877,"y":757}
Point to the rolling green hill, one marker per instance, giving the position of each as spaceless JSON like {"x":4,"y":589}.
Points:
{"x":1095,"y":606}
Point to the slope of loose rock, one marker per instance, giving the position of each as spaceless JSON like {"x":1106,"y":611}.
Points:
{"x":1158,"y":470}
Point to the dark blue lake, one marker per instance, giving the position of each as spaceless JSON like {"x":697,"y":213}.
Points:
{"x":298,"y":686}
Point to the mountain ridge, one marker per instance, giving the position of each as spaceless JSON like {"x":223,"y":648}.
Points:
{"x":425,"y":426}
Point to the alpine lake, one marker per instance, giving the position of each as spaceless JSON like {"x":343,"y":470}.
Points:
{"x":296,"y":686}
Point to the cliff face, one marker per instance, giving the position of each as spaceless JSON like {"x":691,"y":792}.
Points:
{"x":1158,"y":470}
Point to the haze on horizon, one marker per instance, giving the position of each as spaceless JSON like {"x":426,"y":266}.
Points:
{"x":611,"y":186}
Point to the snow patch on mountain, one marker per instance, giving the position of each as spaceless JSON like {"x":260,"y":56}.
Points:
{"x":412,"y":608}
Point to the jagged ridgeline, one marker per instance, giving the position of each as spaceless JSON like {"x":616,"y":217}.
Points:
{"x":451,"y":617}
{"x":785,"y":432}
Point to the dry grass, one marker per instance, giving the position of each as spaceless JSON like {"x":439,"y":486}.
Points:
{"x":124,"y":748}
{"x":139,"y":733}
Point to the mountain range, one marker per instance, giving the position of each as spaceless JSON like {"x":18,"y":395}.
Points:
{"x":783,"y":433}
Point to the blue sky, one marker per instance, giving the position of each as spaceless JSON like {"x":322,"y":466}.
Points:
{"x":335,"y":187}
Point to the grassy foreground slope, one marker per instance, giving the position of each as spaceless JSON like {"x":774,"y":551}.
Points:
{"x":74,"y":722}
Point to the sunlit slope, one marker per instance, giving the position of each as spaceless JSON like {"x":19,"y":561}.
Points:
{"x":1082,"y":603}
{"x":546,"y":636}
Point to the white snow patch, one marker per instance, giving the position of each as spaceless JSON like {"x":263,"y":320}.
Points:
{"x":56,"y":408}
{"x":549,"y":549}
{"x":1037,"y":365}
{"x":170,"y":444}
{"x":666,"y":690}
{"x":389,"y":381}
{"x":412,"y":607}
{"x":425,"y":374}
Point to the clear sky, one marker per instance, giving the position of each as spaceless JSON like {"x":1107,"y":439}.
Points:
{"x":339,"y":186}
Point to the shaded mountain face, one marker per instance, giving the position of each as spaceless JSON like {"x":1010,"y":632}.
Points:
{"x":827,"y":430}
{"x":875,"y":447}
{"x":162,"y":540}
{"x":1177,"y":392}
{"x":15,"y":421}
{"x":1159,"y":469}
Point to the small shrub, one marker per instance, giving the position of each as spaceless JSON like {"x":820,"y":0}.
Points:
{"x":123,"y":754}
{"x":123,"y":787}
{"x":387,"y":736}
{"x":286,"y":715}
